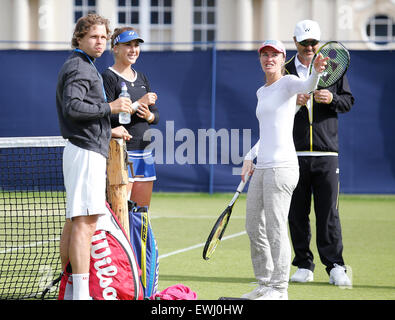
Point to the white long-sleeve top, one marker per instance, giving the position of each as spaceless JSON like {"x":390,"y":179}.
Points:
{"x":275,"y":112}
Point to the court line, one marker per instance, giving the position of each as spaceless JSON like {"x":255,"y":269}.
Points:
{"x":191,"y":217}
{"x":199,"y":245}
{"x":29,"y":245}
{"x":36,"y":244}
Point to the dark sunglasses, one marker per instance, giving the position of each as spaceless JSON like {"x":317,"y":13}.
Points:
{"x":306,"y":43}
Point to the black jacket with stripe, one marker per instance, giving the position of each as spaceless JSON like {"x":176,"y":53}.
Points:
{"x":320,"y":133}
{"x":83,"y":113}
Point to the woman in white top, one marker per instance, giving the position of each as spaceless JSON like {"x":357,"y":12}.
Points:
{"x":276,"y":172}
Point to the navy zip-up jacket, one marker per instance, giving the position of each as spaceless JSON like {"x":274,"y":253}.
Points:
{"x":321,"y":132}
{"x":84,"y":115}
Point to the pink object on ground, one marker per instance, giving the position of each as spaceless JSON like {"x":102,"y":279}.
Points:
{"x":176,"y":292}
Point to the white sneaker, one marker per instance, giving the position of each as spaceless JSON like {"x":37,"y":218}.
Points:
{"x":256,"y":293}
{"x":302,"y":275}
{"x":273,"y":294}
{"x":338,"y":276}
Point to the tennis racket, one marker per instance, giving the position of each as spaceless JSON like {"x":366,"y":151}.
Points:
{"x":337,"y":65}
{"x":220,"y":225}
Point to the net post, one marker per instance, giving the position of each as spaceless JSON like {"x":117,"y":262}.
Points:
{"x":117,"y":180}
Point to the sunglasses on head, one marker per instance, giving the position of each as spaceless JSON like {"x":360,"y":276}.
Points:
{"x":306,"y":43}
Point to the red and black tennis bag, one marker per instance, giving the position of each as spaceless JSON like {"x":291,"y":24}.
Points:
{"x":114,"y":271}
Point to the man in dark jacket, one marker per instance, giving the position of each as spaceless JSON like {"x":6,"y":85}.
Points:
{"x":316,"y":141}
{"x":84,"y":119}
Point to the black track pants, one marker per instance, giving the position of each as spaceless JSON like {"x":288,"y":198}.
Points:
{"x":319,"y":176}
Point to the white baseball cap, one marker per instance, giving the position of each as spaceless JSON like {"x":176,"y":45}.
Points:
{"x":275,"y":44}
{"x":307,"y":29}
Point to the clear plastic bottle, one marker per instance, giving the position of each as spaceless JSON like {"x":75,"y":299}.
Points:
{"x":124,"y":117}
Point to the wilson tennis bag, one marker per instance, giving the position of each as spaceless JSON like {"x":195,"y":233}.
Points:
{"x":145,"y":247}
{"x":114,"y":271}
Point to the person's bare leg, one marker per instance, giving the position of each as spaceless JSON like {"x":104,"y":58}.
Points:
{"x":129,"y":188}
{"x":82,"y":230}
{"x":64,"y":244}
{"x":142,"y":192}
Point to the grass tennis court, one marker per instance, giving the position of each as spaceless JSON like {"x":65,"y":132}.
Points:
{"x":181,"y":223}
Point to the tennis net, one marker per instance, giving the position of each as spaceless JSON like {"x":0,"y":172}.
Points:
{"x":32,"y":214}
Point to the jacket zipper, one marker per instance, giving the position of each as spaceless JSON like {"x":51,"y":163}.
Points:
{"x":310,"y":113}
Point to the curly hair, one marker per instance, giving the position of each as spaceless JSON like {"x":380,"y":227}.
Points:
{"x":83,"y":25}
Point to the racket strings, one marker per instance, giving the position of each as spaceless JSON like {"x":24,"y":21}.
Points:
{"x":215,"y":236}
{"x":337,"y":64}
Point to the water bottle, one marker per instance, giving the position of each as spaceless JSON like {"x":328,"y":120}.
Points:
{"x":124,"y":117}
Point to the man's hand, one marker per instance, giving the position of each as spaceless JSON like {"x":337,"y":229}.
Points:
{"x":302,"y":99}
{"x":120,"y":132}
{"x":122,"y":104}
{"x":323,"y":96}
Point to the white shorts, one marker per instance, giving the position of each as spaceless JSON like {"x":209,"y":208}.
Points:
{"x":84,"y":175}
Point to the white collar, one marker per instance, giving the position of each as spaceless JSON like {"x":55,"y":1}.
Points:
{"x":301,"y":68}
{"x":130,"y":80}
{"x":299,"y":64}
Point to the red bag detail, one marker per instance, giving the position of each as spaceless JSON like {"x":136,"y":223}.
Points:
{"x":114,"y":272}
{"x":111,"y":277}
{"x":66,"y":285}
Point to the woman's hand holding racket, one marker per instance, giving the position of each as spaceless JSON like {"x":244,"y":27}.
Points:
{"x":220,"y":225}
{"x":248,"y":168}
